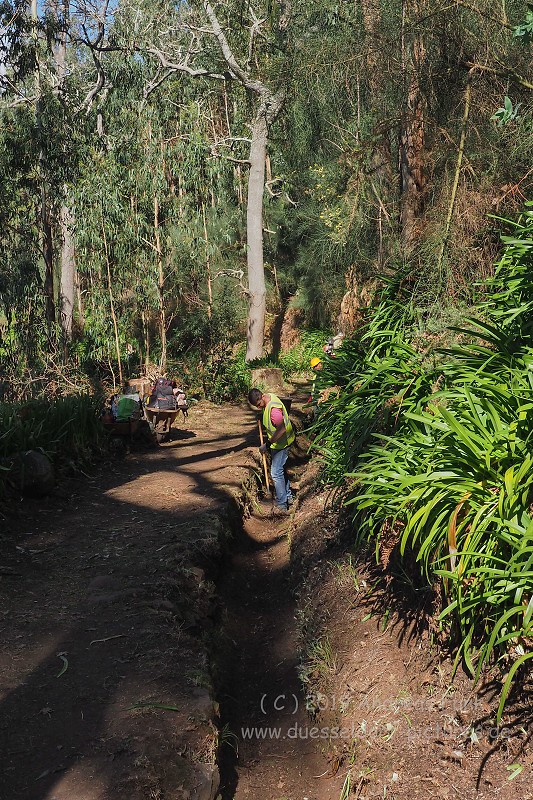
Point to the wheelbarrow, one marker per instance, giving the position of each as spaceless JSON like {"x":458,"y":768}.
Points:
{"x":120,"y":434}
{"x":161,"y":421}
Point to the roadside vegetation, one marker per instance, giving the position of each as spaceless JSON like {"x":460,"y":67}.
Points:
{"x":66,"y":430}
{"x":430,"y":449}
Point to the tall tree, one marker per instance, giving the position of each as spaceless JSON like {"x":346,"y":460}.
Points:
{"x":412,"y":134}
{"x":259,"y":41}
{"x":60,"y":12}
{"x":268,"y":106}
{"x":45,"y":208}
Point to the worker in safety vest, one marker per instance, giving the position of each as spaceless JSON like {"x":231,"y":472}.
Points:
{"x":280,"y":436}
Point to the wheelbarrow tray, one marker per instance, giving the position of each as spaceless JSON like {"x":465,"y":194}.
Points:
{"x":155,"y":415}
{"x":126,"y":428}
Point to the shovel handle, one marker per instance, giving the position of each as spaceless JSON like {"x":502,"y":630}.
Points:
{"x":265,"y":467}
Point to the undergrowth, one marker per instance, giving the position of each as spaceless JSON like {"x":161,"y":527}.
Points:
{"x":431,"y":449}
{"x":69,"y":428}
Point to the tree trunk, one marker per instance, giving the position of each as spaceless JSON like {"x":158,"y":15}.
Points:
{"x":68,"y":270}
{"x":112,"y":305}
{"x":161,"y":288}
{"x":146,"y":332}
{"x":60,"y":12}
{"x":48,"y":255}
{"x":207,"y":267}
{"x":44,"y":211}
{"x":377,"y":68}
{"x":412,"y":136}
{"x":460,"y":153}
{"x":270,"y":105}
{"x":254,"y":228}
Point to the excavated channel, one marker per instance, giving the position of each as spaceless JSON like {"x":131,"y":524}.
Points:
{"x":265,"y":746}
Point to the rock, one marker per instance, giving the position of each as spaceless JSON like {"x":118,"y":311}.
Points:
{"x":32,"y":472}
{"x":38,"y":472}
{"x":207,"y":783}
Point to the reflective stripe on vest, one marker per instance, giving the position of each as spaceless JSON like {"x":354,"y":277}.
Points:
{"x":288,"y":437}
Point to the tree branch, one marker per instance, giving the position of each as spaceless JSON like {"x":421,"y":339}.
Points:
{"x":254,"y":29}
{"x":94,"y":46}
{"x":100,"y":79}
{"x":224,"y":143}
{"x":22,"y":98}
{"x":503,"y":73}
{"x":160,"y":77}
{"x":227,"y":52}
{"x":498,"y":20}
{"x":237,"y":274}
{"x":182,"y":66}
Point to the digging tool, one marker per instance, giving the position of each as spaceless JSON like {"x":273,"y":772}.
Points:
{"x":263,"y":455}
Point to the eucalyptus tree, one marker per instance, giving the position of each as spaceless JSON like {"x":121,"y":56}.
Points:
{"x":225,"y":42}
{"x":38,"y":77}
{"x":60,"y":12}
{"x":148,"y":194}
{"x":145,"y":198}
{"x":20,"y":98}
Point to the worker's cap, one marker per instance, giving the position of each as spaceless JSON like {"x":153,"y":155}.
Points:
{"x":315,"y":361}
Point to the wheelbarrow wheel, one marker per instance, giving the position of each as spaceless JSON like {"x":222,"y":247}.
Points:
{"x":117,"y":446}
{"x":161,"y":432}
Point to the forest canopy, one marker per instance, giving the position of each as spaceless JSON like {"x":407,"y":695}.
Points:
{"x":174,"y":177}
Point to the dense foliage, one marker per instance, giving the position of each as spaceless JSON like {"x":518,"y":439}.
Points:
{"x":434,"y":456}
{"x":67,"y":430}
{"x":124,"y":154}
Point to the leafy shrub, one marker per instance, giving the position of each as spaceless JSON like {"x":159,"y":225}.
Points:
{"x":232,"y":378}
{"x":297,"y":359}
{"x":375,"y":378}
{"x":449,"y":476}
{"x":69,"y":427}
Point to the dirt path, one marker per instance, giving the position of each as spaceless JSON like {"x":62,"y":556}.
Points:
{"x":274,"y":755}
{"x":107,"y":614}
{"x":142,"y":625}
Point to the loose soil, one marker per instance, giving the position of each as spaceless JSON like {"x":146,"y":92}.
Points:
{"x":268,"y":754}
{"x":154,"y":617}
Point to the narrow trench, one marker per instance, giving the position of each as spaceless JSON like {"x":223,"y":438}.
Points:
{"x":264,"y":751}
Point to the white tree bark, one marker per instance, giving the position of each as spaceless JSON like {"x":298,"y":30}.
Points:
{"x":269,"y":109}
{"x":67,"y":265}
{"x":254,"y":235}
{"x":270,"y":105}
{"x":68,"y":269}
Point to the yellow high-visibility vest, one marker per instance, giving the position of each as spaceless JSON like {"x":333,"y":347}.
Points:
{"x":288,"y":437}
